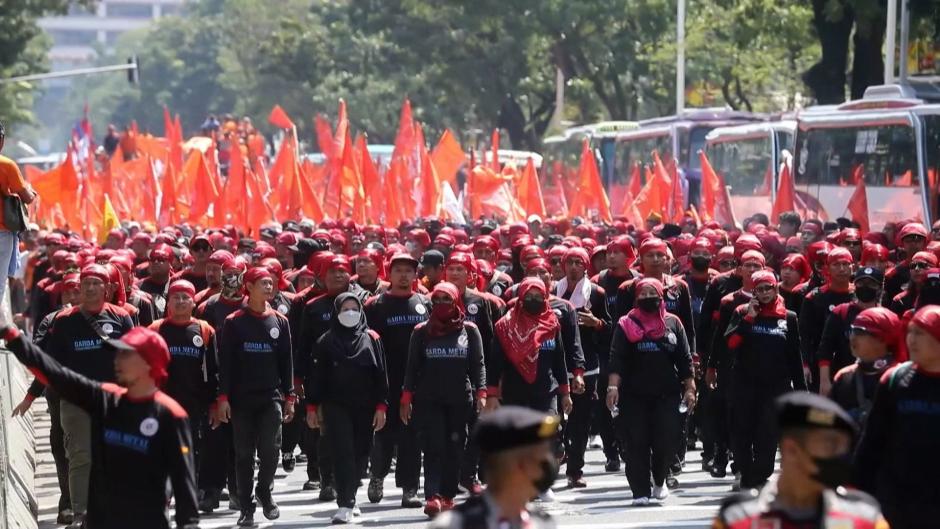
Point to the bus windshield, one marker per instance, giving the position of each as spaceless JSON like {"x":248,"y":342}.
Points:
{"x":639,"y":150}
{"x":744,"y":164}
{"x":827,"y":159}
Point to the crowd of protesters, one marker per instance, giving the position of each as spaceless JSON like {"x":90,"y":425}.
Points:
{"x":342,"y":347}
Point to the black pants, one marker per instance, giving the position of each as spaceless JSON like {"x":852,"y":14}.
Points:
{"x":442,"y":429}
{"x":470,"y":459}
{"x":650,"y":427}
{"x":603,"y":423}
{"x":404,"y":438}
{"x":217,"y":463}
{"x":348,"y":431}
{"x":753,"y":436}
{"x":579,"y":426}
{"x":719,"y":413}
{"x":256,"y":428}
{"x":57,"y":445}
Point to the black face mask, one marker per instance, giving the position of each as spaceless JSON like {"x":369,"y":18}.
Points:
{"x":533,"y":306}
{"x":876,"y":366}
{"x":833,"y":471}
{"x":649,"y":305}
{"x":866,"y":294}
{"x":700,"y":263}
{"x":549,"y":475}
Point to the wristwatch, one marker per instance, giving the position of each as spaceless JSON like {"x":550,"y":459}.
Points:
{"x":612,"y":388}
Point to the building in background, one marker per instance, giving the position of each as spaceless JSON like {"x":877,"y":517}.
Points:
{"x":79,"y":36}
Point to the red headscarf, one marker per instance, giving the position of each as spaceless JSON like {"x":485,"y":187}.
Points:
{"x":776,"y":308}
{"x":438,"y":325}
{"x":638,"y":324}
{"x":522,"y":334}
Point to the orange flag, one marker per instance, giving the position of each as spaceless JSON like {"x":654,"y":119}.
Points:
{"x":58,"y":194}
{"x":391,"y":194}
{"x":284,"y":179}
{"x":171,"y":209}
{"x":591,"y":195}
{"x":447,"y":158}
{"x":663,"y":183}
{"x":279,"y":118}
{"x":350,"y":180}
{"x":324,"y":136}
{"x":429,"y":183}
{"x":715,"y":203}
{"x":371,"y":184}
{"x":236,"y":194}
{"x":494,"y":145}
{"x":529,"y":191}
{"x":204,"y":191}
{"x":858,"y":203}
{"x":636,"y":184}
{"x":786,"y":195}
{"x":649,"y":200}
{"x":260,"y":210}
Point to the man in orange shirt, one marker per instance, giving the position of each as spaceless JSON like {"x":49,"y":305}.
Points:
{"x":11,"y":183}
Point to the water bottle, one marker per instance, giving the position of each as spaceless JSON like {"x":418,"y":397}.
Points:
{"x":683,"y":407}
{"x":614,"y":412}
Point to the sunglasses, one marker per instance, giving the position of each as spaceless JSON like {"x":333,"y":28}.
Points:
{"x":920,"y":266}
{"x":201,"y":248}
{"x":729,"y":264}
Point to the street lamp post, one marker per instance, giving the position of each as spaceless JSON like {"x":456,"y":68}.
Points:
{"x":680,"y":57}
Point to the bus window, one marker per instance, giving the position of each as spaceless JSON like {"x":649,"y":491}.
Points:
{"x":631,"y":151}
{"x":784,"y":141}
{"x":745,"y":166}
{"x":826,"y":160}
{"x":829,"y":156}
{"x":696,"y":142}
{"x":932,"y":146}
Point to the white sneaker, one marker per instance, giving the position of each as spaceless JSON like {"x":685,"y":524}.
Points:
{"x":640,"y":502}
{"x":593,"y":442}
{"x":661,"y":493}
{"x":356,"y":511}
{"x":547,"y":497}
{"x":343,"y":515}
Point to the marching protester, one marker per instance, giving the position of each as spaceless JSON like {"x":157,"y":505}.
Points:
{"x":256,"y":391}
{"x":139,"y":437}
{"x":444,"y":382}
{"x":393,"y":315}
{"x":347,"y":385}
{"x":894,"y":460}
{"x":650,"y":377}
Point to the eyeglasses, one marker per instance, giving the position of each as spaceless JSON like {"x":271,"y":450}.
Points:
{"x":763,"y":289}
{"x":920,"y":266}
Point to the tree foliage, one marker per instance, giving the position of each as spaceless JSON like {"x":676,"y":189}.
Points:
{"x":468,"y":66}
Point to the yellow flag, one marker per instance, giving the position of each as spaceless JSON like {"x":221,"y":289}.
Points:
{"x":109,"y":220}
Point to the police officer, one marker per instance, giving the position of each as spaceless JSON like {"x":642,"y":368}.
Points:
{"x":519,"y":464}
{"x":816,"y":440}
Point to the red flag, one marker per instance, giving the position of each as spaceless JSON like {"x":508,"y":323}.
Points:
{"x":678,"y":197}
{"x":664,"y":182}
{"x":351,"y":193}
{"x":169,"y":202}
{"x":279,"y":118}
{"x":405,"y":137}
{"x":591,"y":195}
{"x":858,"y":203}
{"x":786,"y":195}
{"x":235,"y":194}
{"x":168,"y":129}
{"x":447,"y":158}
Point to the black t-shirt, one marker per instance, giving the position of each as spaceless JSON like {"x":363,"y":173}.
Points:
{"x":444,"y":369}
{"x":255,"y":360}
{"x":193,"y":372}
{"x":75,"y":340}
{"x":136,"y":445}
{"x":394,"y":318}
{"x":652,"y":367}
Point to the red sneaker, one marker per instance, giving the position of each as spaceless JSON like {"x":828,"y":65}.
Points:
{"x":433,"y":506}
{"x":447,"y":504}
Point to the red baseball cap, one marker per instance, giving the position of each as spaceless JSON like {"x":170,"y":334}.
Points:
{"x":150,"y":346}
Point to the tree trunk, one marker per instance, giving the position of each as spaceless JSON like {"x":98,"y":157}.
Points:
{"x":868,"y":62}
{"x":826,"y":79}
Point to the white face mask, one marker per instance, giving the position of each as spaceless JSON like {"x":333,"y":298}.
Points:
{"x":348,"y":318}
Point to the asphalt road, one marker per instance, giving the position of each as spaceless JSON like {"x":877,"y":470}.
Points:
{"x":605,"y":503}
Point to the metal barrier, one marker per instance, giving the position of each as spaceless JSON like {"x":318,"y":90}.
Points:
{"x":18,"y":504}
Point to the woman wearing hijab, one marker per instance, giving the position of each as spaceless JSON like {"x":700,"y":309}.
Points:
{"x":650,"y":368}
{"x":348,"y":388}
{"x":527,"y":361}
{"x":444,"y":375}
{"x":763,"y":343}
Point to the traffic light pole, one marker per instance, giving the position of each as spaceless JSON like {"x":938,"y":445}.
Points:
{"x":132,"y":68}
